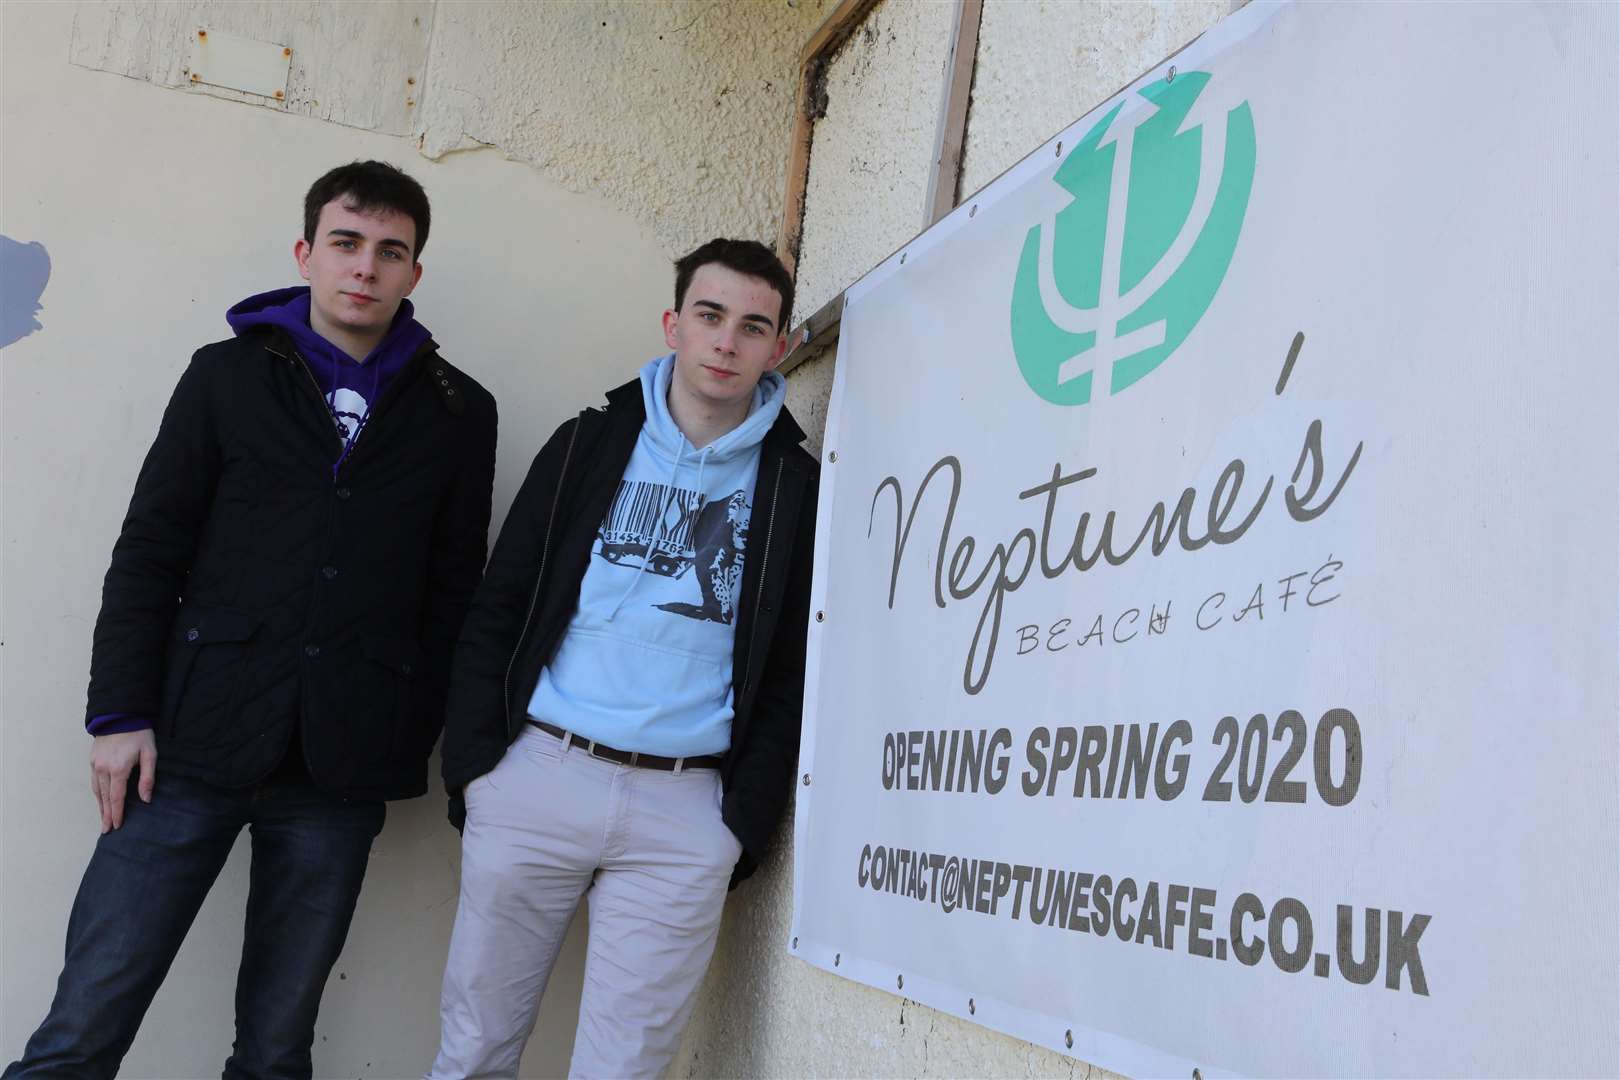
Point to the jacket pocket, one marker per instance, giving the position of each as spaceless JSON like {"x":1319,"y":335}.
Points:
{"x":394,"y":670}
{"x":206,"y":679}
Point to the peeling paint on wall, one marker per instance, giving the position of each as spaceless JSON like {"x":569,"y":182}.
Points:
{"x":360,"y":64}
{"x":679,"y":113}
{"x":25,"y":269}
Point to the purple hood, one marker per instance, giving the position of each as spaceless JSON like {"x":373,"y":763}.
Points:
{"x":351,"y":387}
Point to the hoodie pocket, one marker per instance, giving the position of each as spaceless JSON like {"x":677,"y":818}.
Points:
{"x":640,"y":687}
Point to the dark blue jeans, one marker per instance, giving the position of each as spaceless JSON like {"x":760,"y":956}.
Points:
{"x":142,"y":890}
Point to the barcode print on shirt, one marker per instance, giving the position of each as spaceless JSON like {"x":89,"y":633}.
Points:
{"x":643,"y":510}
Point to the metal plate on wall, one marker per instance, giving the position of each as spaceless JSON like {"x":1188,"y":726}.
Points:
{"x":239,"y":63}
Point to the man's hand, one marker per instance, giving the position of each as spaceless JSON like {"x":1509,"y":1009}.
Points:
{"x":111,"y":760}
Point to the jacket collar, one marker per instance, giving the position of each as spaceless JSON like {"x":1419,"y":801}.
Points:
{"x":277,"y":342}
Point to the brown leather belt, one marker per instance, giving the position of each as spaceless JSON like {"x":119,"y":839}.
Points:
{"x":627,"y":757}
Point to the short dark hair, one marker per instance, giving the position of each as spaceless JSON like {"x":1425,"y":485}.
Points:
{"x":748,"y":257}
{"x":370,"y":185}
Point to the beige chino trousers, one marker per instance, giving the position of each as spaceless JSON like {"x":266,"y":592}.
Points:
{"x":648,"y":850}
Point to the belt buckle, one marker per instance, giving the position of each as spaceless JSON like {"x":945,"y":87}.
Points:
{"x":603,"y":752}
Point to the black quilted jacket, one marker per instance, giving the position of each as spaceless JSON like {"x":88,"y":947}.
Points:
{"x":251,"y":592}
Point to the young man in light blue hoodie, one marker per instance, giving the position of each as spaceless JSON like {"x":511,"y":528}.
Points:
{"x":624,"y":707}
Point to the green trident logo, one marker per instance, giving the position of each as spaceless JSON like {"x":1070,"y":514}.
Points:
{"x":1103,"y":294}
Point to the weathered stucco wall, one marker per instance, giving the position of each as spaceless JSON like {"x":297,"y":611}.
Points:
{"x":678,"y":113}
{"x":870,"y":157}
{"x":1042,"y":64}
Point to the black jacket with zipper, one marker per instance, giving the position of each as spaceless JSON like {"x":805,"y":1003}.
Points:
{"x":252,"y":594}
{"x":531,"y":590}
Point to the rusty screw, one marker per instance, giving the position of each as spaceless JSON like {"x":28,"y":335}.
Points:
{"x":203,"y":34}
{"x":194,"y":77}
{"x":280,"y":95}
{"x":411,"y":81}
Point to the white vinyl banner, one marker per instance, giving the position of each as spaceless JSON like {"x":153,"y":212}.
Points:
{"x":1214,"y":659}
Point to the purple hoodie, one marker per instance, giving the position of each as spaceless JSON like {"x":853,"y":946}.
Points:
{"x":351,"y":388}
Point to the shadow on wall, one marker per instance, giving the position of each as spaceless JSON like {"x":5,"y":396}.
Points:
{"x":25,"y":269}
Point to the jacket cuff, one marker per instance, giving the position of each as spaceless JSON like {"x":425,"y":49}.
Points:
{"x":117,"y":723}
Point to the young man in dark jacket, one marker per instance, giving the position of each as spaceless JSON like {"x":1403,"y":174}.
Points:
{"x":276,"y":627}
{"x":624,"y":709}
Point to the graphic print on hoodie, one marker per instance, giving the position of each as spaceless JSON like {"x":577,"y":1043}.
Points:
{"x":646,"y":662}
{"x":680,"y":534}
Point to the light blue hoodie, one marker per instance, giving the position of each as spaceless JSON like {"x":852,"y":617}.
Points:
{"x":646,"y":662}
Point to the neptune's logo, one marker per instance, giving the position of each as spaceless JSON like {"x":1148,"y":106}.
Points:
{"x":1113,"y":283}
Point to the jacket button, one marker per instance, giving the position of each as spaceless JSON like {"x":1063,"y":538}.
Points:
{"x":192,"y":634}
{"x":328,"y":572}
{"x":312,"y":650}
{"x":343,"y":493}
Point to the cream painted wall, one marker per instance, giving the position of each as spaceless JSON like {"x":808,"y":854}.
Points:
{"x":159,"y":209}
